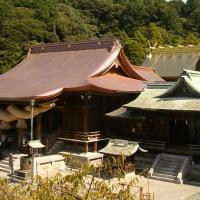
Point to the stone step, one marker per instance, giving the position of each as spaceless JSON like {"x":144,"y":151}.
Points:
{"x":166,"y":179}
{"x":17,"y":179}
{"x":168,"y":168}
{"x":5,"y":166}
{"x":161,"y":171}
{"x":171,"y":161}
{"x":165,"y":175}
{"x":4,"y":170}
{"x":4,"y":162}
{"x":173,"y":157}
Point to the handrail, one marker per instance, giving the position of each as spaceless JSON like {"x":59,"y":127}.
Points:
{"x":183,"y":170}
{"x":151,"y":171}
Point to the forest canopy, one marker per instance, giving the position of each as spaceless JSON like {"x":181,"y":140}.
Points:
{"x":137,"y":22}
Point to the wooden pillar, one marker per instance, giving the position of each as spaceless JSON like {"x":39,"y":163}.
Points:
{"x":85,"y":118}
{"x":20,"y":136}
{"x":86,"y":147}
{"x":50,"y":121}
{"x":141,"y":194}
{"x":198,"y":134}
{"x":38,"y":131}
{"x":95,"y":146}
{"x":65,"y":112}
{"x":64,"y":118}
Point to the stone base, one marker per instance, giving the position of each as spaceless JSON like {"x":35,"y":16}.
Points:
{"x":26,"y":174}
{"x":92,"y":158}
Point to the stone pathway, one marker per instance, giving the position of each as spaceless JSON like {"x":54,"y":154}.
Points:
{"x":171,"y":191}
{"x":194,"y":197}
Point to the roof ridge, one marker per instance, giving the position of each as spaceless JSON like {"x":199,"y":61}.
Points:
{"x":143,"y":68}
{"x":108,"y":43}
{"x":176,"y":49}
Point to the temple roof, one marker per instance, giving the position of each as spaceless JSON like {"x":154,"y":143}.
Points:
{"x":50,"y":69}
{"x":120,"y":147}
{"x":184,"y":95}
{"x":147,"y":73}
{"x":170,"y":61}
{"x":123,"y":113}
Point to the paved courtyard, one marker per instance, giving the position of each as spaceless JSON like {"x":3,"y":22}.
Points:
{"x":172,"y":191}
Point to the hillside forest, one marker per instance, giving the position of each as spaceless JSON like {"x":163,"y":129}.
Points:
{"x":139,"y":23}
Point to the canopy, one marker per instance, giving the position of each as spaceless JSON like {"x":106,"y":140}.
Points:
{"x":121,"y":147}
{"x":35,"y":144}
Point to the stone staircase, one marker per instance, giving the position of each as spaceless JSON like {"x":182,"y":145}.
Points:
{"x":4,"y":165}
{"x":5,"y":170}
{"x":169,"y":167}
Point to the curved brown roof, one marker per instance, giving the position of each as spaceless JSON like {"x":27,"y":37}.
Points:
{"x":113,"y":83}
{"x":147,"y":73}
{"x":50,"y":69}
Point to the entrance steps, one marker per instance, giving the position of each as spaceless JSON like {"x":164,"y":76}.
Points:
{"x":169,"y":167}
{"x":4,"y":165}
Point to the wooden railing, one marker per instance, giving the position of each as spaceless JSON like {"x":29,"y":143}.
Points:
{"x":85,"y":136}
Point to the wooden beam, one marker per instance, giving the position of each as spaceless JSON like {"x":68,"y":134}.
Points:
{"x":85,"y":118}
{"x":95,"y":146}
{"x":86,"y":147}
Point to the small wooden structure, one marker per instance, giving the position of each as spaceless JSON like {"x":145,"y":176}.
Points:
{"x":118,"y":148}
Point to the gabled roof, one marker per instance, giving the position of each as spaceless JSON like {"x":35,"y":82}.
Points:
{"x":50,"y":69}
{"x":188,"y":85}
{"x":170,"y":61}
{"x":184,"y":95}
{"x":147,"y":73}
{"x":120,"y":147}
{"x":123,"y":113}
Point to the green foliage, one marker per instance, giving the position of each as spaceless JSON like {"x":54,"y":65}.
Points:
{"x":26,"y":22}
{"x":82,"y":184}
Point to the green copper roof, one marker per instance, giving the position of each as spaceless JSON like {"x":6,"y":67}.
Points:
{"x":120,"y":147}
{"x":169,"y":62}
{"x":184,"y":95}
